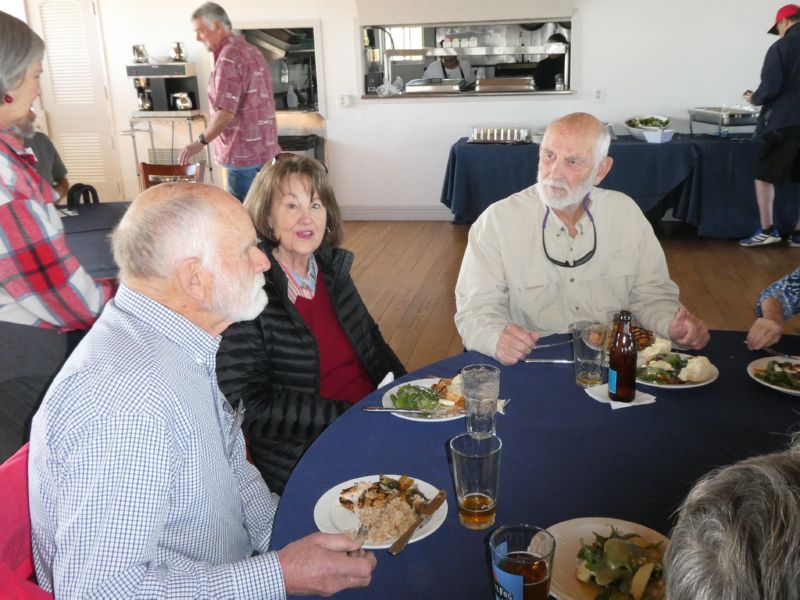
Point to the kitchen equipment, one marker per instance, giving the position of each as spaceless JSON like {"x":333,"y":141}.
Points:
{"x":162,"y":81}
{"x":435,"y":86}
{"x":723,"y":116}
{"x":178,"y":52}
{"x":505,"y":84}
{"x":140,"y":54}
{"x":145,"y":101}
{"x":499,"y":135}
{"x":181,"y":101}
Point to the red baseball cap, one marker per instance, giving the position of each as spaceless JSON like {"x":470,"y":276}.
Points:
{"x":789,"y":10}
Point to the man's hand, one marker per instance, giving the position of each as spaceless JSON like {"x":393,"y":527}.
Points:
{"x":687,"y":330}
{"x":763,"y":333}
{"x":188,"y":152}
{"x":515,"y":343}
{"x":323,"y":564}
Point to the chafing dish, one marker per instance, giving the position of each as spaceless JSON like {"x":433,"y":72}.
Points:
{"x":422,"y":86}
{"x":722,"y":116}
{"x":505,"y":84}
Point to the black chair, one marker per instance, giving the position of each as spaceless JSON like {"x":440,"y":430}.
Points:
{"x":81,"y":191}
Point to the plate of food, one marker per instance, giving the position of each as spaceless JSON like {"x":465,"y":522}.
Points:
{"x":382,"y":504}
{"x":659,"y":367}
{"x":436,"y":399}
{"x":782,"y":374}
{"x":600,"y":555}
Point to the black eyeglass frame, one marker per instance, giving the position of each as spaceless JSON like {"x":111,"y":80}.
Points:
{"x":581,"y":261}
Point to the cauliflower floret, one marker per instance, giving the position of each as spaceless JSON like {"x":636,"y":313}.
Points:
{"x":660,"y":364}
{"x":659,"y":346}
{"x":697,"y":370}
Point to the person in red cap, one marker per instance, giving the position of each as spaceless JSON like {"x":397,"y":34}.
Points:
{"x":778,"y":128}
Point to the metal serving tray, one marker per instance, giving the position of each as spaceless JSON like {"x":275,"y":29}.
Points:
{"x":428,"y":86}
{"x":727,"y":117}
{"x":505,"y":84}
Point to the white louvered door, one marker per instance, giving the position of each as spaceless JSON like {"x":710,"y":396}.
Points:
{"x":74,"y":92}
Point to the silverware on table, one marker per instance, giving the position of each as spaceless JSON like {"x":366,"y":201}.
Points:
{"x":424,"y":511}
{"x":540,"y":346}
{"x":780,"y":354}
{"x":416,"y":411}
{"x":561,"y":361}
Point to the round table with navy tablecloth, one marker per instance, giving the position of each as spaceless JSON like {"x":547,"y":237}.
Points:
{"x":564,"y":456}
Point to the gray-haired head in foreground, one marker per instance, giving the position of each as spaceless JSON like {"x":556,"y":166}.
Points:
{"x":738,"y":534}
{"x":211,"y":12}
{"x":20,"y":47}
{"x":589,"y":125}
{"x":154,"y":238}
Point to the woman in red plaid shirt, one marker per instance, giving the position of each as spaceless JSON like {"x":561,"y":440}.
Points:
{"x":44,"y":291}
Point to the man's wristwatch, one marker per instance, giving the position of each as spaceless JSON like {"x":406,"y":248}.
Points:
{"x":202,"y":139}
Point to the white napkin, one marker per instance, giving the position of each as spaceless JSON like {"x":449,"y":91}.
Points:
{"x":386,"y":380}
{"x":600,"y":393}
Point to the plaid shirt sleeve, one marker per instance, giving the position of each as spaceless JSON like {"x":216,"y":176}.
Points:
{"x":37,"y":269}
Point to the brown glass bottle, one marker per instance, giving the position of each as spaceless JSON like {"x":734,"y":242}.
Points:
{"x":622,"y":361}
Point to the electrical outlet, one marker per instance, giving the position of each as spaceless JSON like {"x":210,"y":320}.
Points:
{"x":598,"y":94}
{"x":343,"y":101}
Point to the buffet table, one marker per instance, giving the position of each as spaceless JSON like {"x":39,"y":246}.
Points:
{"x":87,"y":236}
{"x":708,"y":180}
{"x":564,"y":456}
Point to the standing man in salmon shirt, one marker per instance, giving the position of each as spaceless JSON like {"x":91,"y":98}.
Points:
{"x":242,"y":126}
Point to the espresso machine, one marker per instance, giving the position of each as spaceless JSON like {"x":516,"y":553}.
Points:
{"x":165,"y":87}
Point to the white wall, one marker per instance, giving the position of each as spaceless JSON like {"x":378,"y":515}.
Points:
{"x":387,"y":158}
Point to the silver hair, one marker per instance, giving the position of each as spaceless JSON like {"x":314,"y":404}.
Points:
{"x":152,"y":242}
{"x":211,"y":12}
{"x":737,"y":533}
{"x":601,"y":146}
{"x":20,"y":47}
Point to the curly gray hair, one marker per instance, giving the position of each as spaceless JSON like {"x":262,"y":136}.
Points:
{"x":20,"y":47}
{"x":737,"y":533}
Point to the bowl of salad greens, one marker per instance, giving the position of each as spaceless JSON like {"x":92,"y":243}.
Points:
{"x":638,"y":125}
{"x":419,"y":395}
{"x":781,"y":375}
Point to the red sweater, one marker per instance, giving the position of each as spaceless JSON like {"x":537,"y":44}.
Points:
{"x":341,"y":375}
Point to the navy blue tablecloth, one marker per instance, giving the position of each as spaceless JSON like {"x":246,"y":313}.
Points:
{"x":564,"y":456}
{"x":707,"y":179}
{"x":87,"y":236}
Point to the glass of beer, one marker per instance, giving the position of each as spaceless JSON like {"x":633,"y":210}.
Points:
{"x":476,"y":473}
{"x":522,"y":561}
{"x":588,"y":351}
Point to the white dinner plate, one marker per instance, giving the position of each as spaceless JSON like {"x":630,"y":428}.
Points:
{"x":331,"y":517}
{"x":387,"y":402}
{"x":682,"y":386}
{"x":762,"y":363}
{"x":568,"y":535}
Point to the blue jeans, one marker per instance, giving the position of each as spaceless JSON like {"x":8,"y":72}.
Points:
{"x":240,"y":179}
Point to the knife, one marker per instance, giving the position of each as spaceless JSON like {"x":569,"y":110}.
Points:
{"x":540,"y":346}
{"x":423,"y":511}
{"x":561,"y":361}
{"x":415,"y":411}
{"x":780,"y":354}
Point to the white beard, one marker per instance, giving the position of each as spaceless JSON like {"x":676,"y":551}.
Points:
{"x":238,"y":299}
{"x":571,"y":196}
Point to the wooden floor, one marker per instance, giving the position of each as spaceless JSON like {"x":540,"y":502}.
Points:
{"x":406,"y":274}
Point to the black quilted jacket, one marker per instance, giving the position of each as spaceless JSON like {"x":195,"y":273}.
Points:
{"x":272,"y":365}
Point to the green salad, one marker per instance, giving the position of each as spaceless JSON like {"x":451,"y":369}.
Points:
{"x":622,"y":568}
{"x":415,"y":397}
{"x":780,"y":373}
{"x":651,"y":122}
{"x":660,"y":373}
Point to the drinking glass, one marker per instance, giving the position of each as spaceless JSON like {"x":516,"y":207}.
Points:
{"x":588,"y":351}
{"x":476,"y":473}
{"x":481,"y":389}
{"x":522,"y":561}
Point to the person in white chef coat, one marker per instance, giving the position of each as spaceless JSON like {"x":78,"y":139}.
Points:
{"x":450,"y":67}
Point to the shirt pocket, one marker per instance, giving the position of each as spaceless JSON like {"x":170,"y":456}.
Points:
{"x":534,"y":299}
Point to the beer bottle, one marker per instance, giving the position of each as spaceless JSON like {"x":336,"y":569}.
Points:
{"x":622,"y":361}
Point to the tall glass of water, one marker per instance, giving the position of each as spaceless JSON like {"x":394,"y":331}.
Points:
{"x":481,"y":390}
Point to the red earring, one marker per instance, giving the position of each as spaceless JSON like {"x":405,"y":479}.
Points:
{"x":8,"y":99}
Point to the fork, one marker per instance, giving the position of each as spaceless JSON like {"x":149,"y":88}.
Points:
{"x":779,"y":354}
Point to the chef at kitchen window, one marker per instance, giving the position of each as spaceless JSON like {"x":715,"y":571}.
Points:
{"x":450,"y":67}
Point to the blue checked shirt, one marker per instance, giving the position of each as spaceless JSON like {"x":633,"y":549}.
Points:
{"x":138,"y":481}
{"x":786,"y":291}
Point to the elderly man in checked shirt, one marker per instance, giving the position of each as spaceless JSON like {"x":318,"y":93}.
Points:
{"x":138,"y":481}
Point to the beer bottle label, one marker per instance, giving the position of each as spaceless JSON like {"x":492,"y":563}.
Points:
{"x":612,"y":381}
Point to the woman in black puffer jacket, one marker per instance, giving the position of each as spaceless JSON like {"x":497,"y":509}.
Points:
{"x":315,"y":349}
